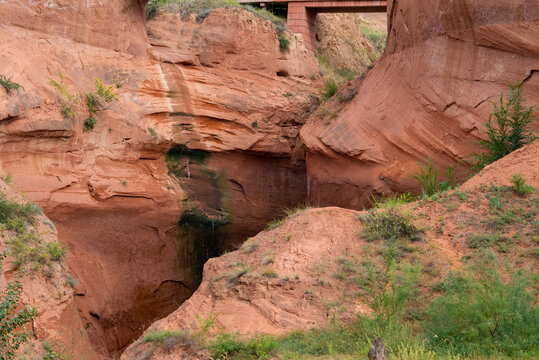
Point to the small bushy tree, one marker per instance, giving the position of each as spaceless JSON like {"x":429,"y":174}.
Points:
{"x":508,"y":127}
{"x":481,"y":313}
{"x":11,"y":319}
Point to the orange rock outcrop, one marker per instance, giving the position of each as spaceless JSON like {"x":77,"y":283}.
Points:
{"x":428,"y":96}
{"x":108,"y":190}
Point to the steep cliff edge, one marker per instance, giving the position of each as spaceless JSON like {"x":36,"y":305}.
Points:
{"x":428,"y":96}
{"x":108,"y":189}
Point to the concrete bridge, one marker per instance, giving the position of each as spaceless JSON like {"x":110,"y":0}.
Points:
{"x":302,"y":13}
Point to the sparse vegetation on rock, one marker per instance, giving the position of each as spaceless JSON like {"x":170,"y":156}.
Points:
{"x":12,"y":318}
{"x":508,"y":127}
{"x":9,"y":84}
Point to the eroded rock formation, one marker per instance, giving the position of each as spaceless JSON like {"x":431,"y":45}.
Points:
{"x":312,"y":268}
{"x":208,"y":87}
{"x":428,"y":96}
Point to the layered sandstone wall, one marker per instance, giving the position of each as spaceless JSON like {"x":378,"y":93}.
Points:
{"x":428,"y":96}
{"x":108,"y":190}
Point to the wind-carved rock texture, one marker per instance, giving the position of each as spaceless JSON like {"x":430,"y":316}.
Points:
{"x":428,"y":96}
{"x":237,"y":96}
{"x":108,"y":190}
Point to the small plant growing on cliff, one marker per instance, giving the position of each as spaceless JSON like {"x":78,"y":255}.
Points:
{"x":284,"y":43}
{"x":9,"y":84}
{"x":428,"y":178}
{"x":68,"y":101}
{"x":519,"y":185}
{"x":105,"y":93}
{"x":508,"y":127}
{"x":329,"y":90}
{"x":10,"y":319}
{"x":89,"y":123}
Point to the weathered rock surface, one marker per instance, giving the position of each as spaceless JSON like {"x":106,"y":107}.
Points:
{"x":428,"y":96}
{"x":303,"y":273}
{"x":108,"y":190}
{"x":236,"y":96}
{"x":58,"y":320}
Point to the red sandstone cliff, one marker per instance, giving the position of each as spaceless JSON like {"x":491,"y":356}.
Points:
{"x":108,"y":190}
{"x":427,"y":97}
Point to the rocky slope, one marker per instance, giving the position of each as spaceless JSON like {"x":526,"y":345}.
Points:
{"x":108,"y":190}
{"x":297,"y":275}
{"x":49,"y":289}
{"x":428,"y":96}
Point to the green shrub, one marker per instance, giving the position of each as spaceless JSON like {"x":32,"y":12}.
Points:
{"x":92,"y":102}
{"x":508,"y":127}
{"x":389,"y":223}
{"x":520,"y":186}
{"x":330,"y":89}
{"x":12,"y":317}
{"x":89,"y":123}
{"x":106,"y":93}
{"x":10,"y":210}
{"x":68,"y":101}
{"x":55,"y":250}
{"x":284,"y":43}
{"x":480,"y":313}
{"x":152,"y":132}
{"x":428,"y":179}
{"x":9,"y":84}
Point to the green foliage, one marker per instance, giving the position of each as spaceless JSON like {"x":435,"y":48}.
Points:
{"x":158,"y":337}
{"x":378,"y":38}
{"x":486,"y":240}
{"x":89,"y":123}
{"x":388,"y":290}
{"x":187,"y":7}
{"x":385,"y":201}
{"x":330,"y":89}
{"x":284,"y":43}
{"x":508,"y":127}
{"x":55,"y":250}
{"x":9,"y":84}
{"x":428,"y":179}
{"x":68,"y":101}
{"x":520,"y":186}
{"x":105,"y":93}
{"x":11,"y":319}
{"x":254,"y":124}
{"x":92,"y":102}
{"x":480,"y":313}
{"x":389,"y":223}
{"x":7,"y":178}
{"x":26,"y":246}
{"x":152,"y":132}
{"x":10,"y":210}
{"x":260,"y":347}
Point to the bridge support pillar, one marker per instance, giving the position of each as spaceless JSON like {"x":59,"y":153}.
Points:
{"x":303,"y":20}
